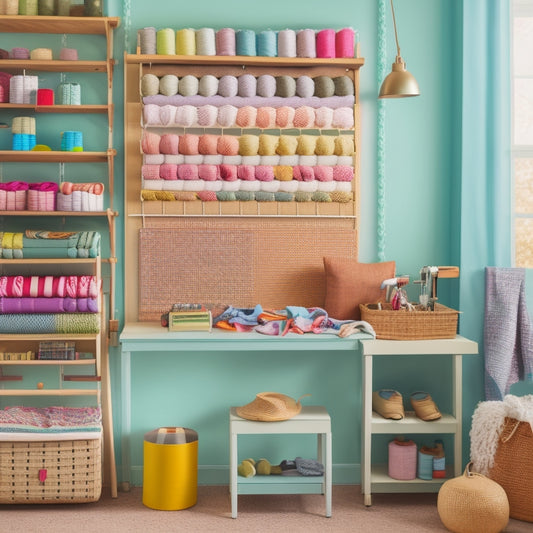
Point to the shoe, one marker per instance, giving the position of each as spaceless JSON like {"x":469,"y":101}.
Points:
{"x":388,"y":403}
{"x":424,"y":406}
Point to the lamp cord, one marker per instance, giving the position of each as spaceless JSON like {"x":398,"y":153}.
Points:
{"x":395,"y":31}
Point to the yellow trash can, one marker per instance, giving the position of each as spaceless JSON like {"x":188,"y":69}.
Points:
{"x":170,"y":472}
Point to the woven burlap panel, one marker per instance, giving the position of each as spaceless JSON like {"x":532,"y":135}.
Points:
{"x":241,"y":262}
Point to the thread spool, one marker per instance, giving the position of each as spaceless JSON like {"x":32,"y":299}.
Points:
{"x":186,"y":42}
{"x":245,"y":43}
{"x":225,"y":42}
{"x":45,"y":97}
{"x":306,"y":43}
{"x":345,"y":43}
{"x":166,"y":42}
{"x":68,"y":54}
{"x":325,"y":43}
{"x":147,"y":40}
{"x":267,"y":44}
{"x":72,"y":141}
{"x":28,"y":7}
{"x":45,"y":7}
{"x":63,"y":8}
{"x":69,"y":93}
{"x":287,"y":43}
{"x":205,"y":42}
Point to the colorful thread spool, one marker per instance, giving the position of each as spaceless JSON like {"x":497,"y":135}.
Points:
{"x":325,"y":43}
{"x":166,"y":42}
{"x":402,"y":459}
{"x":69,"y":93}
{"x":146,"y":40}
{"x":186,"y":42}
{"x":267,"y":44}
{"x":245,"y":43}
{"x":45,"y":97}
{"x":225,"y":42}
{"x":287,"y":43}
{"x":306,"y":43}
{"x":72,"y":141}
{"x":205,"y":42}
{"x":345,"y":43}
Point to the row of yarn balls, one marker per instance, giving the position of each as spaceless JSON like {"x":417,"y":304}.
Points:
{"x":229,"y":116}
{"x":247,"y":85}
{"x":247,"y":145}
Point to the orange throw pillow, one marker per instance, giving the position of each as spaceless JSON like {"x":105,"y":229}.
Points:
{"x":350,"y":283}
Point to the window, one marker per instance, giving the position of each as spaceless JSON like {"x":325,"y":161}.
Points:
{"x":522,"y":131}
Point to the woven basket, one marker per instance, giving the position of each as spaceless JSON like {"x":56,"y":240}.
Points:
{"x":513,"y":467}
{"x":410,"y":325}
{"x":67,"y":471}
{"x":472,"y":503}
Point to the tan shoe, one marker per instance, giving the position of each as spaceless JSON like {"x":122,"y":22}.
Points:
{"x":424,"y":406}
{"x":388,"y":403}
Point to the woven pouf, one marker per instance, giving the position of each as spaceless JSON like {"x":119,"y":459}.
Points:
{"x":472,"y":503}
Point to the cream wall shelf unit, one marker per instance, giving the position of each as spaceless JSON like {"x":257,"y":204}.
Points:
{"x":374,"y":477}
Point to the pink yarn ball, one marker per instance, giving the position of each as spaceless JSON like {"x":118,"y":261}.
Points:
{"x":343,"y":173}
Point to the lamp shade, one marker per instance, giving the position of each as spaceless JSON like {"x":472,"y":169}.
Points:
{"x":400,"y":83}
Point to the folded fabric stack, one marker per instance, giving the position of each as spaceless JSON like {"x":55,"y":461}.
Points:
{"x":42,"y":196}
{"x":51,"y":244}
{"x":13,"y":196}
{"x":80,"y":197}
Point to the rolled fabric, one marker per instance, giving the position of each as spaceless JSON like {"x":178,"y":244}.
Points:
{"x":270,"y":186}
{"x":325,"y":145}
{"x":344,"y":145}
{"x":304,"y":117}
{"x":168,"y":85}
{"x":250,"y":185}
{"x":305,"y":87}
{"x":208,"y":172}
{"x":207,"y":196}
{"x":232,"y":186}
{"x":151,"y":115}
{"x":196,"y":185}
{"x":343,"y":118}
{"x":288,"y":186}
{"x":213,"y":185}
{"x":327,"y":186}
{"x":186,"y":116}
{"x":174,"y":159}
{"x":207,"y":116}
{"x":188,"y":172}
{"x":324,"y":117}
{"x":213,"y":159}
{"x":208,"y":85}
{"x":306,"y":145}
{"x":227,"y":116}
{"x":346,"y":160}
{"x":167,"y":114}
{"x":168,"y":172}
{"x":289,"y":160}
{"x":228,"y":145}
{"x":303,"y":173}
{"x":343,"y":173}
{"x":44,"y":186}
{"x":188,"y":144}
{"x":228,"y":86}
{"x":231,"y":159}
{"x":323,"y":173}
{"x":152,"y":159}
{"x":267,"y":144}
{"x":171,"y":185}
{"x":246,"y":172}
{"x":193,"y":159}
{"x":307,"y":186}
{"x":308,"y":160}
{"x":207,"y":144}
{"x":150,"y":142}
{"x":264,"y":173}
{"x":266,"y":118}
{"x":284,"y":117}
{"x":253,"y":160}
{"x":246,"y":117}
{"x":248,"y":145}
{"x":283,"y":173}
{"x":228,"y":172}
{"x":287,"y":145}
{"x":246,"y":85}
{"x":169,"y":143}
{"x":266,"y":86}
{"x":326,"y":160}
{"x":343,"y":186}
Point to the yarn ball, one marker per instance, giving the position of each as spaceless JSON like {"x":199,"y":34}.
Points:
{"x":344,"y":145}
{"x":248,"y":145}
{"x":284,"y":116}
{"x":283,"y":173}
{"x":246,"y":116}
{"x":305,"y":86}
{"x":207,"y":116}
{"x":228,"y":86}
{"x":267,"y":144}
{"x":325,"y":145}
{"x":287,"y":145}
{"x":285,"y":86}
{"x":324,"y":86}
{"x":149,"y":85}
{"x":188,"y":144}
{"x":306,"y":145}
{"x":228,"y":145}
{"x":168,"y":85}
{"x":188,"y":85}
{"x":304,"y":117}
{"x":266,"y":117}
{"x":324,"y":117}
{"x":169,"y":143}
{"x":247,"y":85}
{"x":208,"y":85}
{"x":266,"y":86}
{"x":343,"y":86}
{"x":471,"y":503}
{"x":227,"y":116}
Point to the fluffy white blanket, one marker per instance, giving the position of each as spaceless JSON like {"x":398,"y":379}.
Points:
{"x":487,"y":424}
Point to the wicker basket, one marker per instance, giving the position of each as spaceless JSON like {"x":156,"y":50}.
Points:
{"x":66,"y":471}
{"x":410,"y":325}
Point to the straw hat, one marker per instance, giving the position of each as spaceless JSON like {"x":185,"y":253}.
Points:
{"x":271,"y":407}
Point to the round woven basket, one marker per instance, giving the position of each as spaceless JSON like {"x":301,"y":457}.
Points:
{"x":472,"y":503}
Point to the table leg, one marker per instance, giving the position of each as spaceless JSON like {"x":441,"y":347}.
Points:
{"x":125,"y":371}
{"x":233,"y":472}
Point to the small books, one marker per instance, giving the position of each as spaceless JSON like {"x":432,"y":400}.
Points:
{"x":194,"y":320}
{"x":65,"y":350}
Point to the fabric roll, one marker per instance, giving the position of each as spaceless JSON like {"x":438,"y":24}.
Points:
{"x":269,"y":160}
{"x":167,"y":114}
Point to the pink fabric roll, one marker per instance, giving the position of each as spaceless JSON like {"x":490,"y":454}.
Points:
{"x":228,"y":145}
{"x":207,"y":116}
{"x":169,"y":143}
{"x":44,"y":186}
{"x":246,"y":172}
{"x":150,"y":172}
{"x":343,"y":173}
{"x":207,"y":144}
{"x":207,"y":196}
{"x":284,"y":117}
{"x":150,"y":142}
{"x":323,"y":173}
{"x":343,"y":118}
{"x":186,"y":116}
{"x":228,"y":172}
{"x":188,"y":172}
{"x":168,"y":172}
{"x":208,"y":172}
{"x":152,"y":114}
{"x":304,"y":117}
{"x":167,"y":114}
{"x":303,"y":173}
{"x":266,"y":117}
{"x":189,"y":144}
{"x":246,"y":117}
{"x":325,"y":43}
{"x":324,"y":117}
{"x":264,"y":173}
{"x":345,"y":43}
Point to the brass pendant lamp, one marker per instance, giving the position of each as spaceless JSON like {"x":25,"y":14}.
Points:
{"x":400,"y":83}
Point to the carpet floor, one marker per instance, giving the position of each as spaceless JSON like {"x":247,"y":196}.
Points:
{"x":394,"y":513}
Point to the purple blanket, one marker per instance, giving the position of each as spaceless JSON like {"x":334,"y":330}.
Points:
{"x":48,"y":305}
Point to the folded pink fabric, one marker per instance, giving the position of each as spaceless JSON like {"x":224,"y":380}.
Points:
{"x":168,"y":171}
{"x":189,"y":144}
{"x":303,"y":173}
{"x":44,"y":186}
{"x":169,"y":143}
{"x":228,"y":172}
{"x":343,"y":173}
{"x":246,"y":172}
{"x":188,"y":172}
{"x":14,"y":186}
{"x":323,"y":173}
{"x":208,"y":172}
{"x":264,"y":173}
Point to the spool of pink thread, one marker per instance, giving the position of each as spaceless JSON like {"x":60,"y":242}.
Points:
{"x":345,"y":43}
{"x":325,"y":43}
{"x":45,"y":97}
{"x":225,"y":42}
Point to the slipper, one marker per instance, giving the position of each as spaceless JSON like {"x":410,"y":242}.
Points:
{"x":388,"y":403}
{"x":247,"y":468}
{"x":424,"y":406}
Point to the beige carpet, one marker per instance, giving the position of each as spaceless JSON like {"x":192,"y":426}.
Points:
{"x":398,"y":513}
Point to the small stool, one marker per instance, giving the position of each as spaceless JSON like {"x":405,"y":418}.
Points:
{"x":311,"y":419}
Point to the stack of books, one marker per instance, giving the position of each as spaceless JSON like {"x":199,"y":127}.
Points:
{"x":189,"y":317}
{"x":57,"y":350}
{"x":17,"y":356}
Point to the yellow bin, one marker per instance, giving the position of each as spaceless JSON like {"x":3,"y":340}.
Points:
{"x":170,"y":473}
